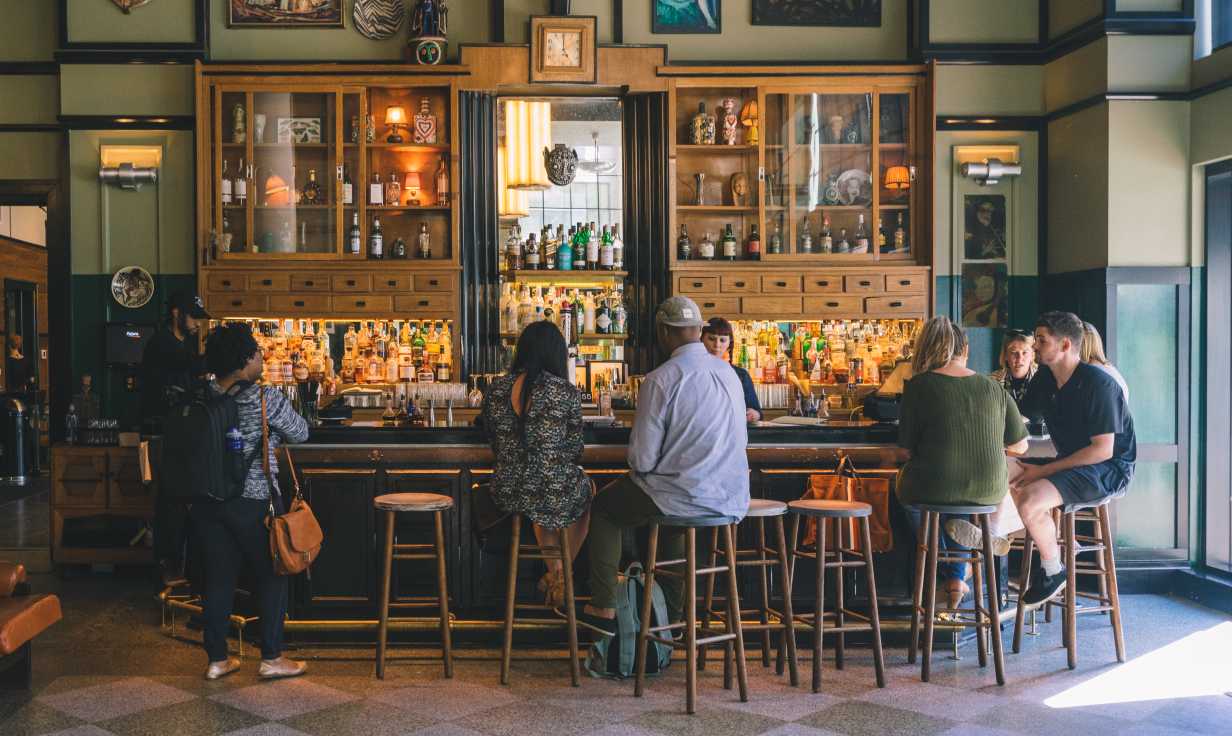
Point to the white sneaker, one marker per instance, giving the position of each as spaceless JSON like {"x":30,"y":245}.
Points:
{"x":969,"y":535}
{"x":217,"y":670}
{"x":282,"y":667}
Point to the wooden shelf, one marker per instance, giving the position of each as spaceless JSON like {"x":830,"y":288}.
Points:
{"x":315,"y":146}
{"x":893,"y":145}
{"x":401,"y":208}
{"x":836,"y":146}
{"x":836,"y":207}
{"x":719,"y":208}
{"x":588,"y":337}
{"x":285,"y":207}
{"x":564,"y":277}
{"x":895,"y":207}
{"x":716,"y":148}
{"x":407,"y":147}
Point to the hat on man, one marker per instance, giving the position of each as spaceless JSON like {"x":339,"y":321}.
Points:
{"x":189,"y":304}
{"x":679,"y":311}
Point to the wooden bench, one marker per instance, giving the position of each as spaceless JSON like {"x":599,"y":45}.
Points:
{"x":22,"y":618}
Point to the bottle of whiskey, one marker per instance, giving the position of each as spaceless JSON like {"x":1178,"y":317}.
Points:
{"x":376,"y":240}
{"x":513,"y":250}
{"x":376,"y":191}
{"x":592,"y":248}
{"x":731,"y":249}
{"x":861,"y":245}
{"x":881,"y":237}
{"x":393,"y":191}
{"x":607,"y":260}
{"x":348,"y":189}
{"x":423,"y":246}
{"x":531,"y":256}
{"x":806,"y":239}
{"x":618,"y":249}
{"x":241,"y":185}
{"x":827,"y":237}
{"x":776,"y":241}
{"x":226,"y":183}
{"x":705,"y":249}
{"x":752,"y":248}
{"x":684,"y":247}
{"x":312,"y":191}
{"x":900,"y":236}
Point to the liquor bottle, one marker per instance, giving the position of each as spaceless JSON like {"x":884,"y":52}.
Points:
{"x":564,"y":254}
{"x":376,"y":240}
{"x":620,"y":316}
{"x":588,"y":315}
{"x":393,"y":191}
{"x":731,"y":249}
{"x":403,"y":416}
{"x":618,"y":249}
{"x":424,"y":128}
{"x":684,"y":247}
{"x":568,"y":322}
{"x":881,"y":237}
{"x":705,"y":249}
{"x":226,"y":183}
{"x":442,"y":183}
{"x":900,"y":236}
{"x":753,"y":246}
{"x":423,"y":246}
{"x":442,"y":370}
{"x":354,"y":238}
{"x":513,"y":250}
{"x":391,"y":365}
{"x":348,"y":188}
{"x":603,"y":318}
{"x":375,"y":371}
{"x":844,"y":245}
{"x":827,"y":237}
{"x":349,"y":342}
{"x":592,"y":248}
{"x":536,"y":304}
{"x":861,"y":243}
{"x":806,"y":239}
{"x":418,"y":344}
{"x":579,"y":313}
{"x":525,"y":311}
{"x":776,"y":241}
{"x":376,"y":191}
{"x":241,"y":185}
{"x":606,"y":255}
{"x":312,"y":190}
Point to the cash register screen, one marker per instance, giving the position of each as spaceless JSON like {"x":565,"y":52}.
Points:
{"x":125,"y":342}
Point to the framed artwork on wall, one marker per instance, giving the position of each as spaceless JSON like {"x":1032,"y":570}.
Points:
{"x":985,"y":295}
{"x":562,"y":49}
{"x":865,"y":13}
{"x":284,"y":13}
{"x":984,"y":218}
{"x":686,"y":16}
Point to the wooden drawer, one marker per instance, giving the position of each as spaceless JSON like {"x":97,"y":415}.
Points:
{"x":893,"y":305}
{"x":269,"y":282}
{"x":352,"y":282}
{"x":436,"y":282}
{"x":780,"y":284}
{"x":125,"y":489}
{"x":362,"y":304}
{"x":739,"y":284}
{"x":867,"y":283}
{"x":310,"y":282}
{"x":837,"y":305}
{"x":916,"y":283}
{"x":314,"y":304}
{"x":79,"y":476}
{"x":719,"y":306}
{"x":697,"y":284}
{"x":772,"y":305}
{"x":413,"y":304}
{"x":227,"y":282}
{"x":823,"y":283}
{"x":391,"y":282}
{"x":246,"y":303}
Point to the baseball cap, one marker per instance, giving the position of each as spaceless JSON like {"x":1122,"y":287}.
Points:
{"x":679,"y":311}
{"x":189,"y":303}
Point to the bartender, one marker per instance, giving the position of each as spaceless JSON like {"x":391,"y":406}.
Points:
{"x":1017,"y":364}
{"x":717,"y":337}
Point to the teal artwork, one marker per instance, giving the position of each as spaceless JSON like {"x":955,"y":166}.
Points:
{"x":686,"y":16}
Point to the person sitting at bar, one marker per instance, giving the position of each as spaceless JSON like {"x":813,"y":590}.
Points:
{"x":957,"y":426}
{"x":1093,"y":431}
{"x":533,"y":417}
{"x":687,"y":457}
{"x":233,"y":533}
{"x":1017,"y":364}
{"x":717,"y":337}
{"x":1093,"y":353}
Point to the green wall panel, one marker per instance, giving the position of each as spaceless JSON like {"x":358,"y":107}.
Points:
{"x":29,"y":98}
{"x":1147,"y":356}
{"x":28,"y":32}
{"x":30,"y":155}
{"x":165,"y":20}
{"x":1146,"y":515}
{"x":126,"y":89}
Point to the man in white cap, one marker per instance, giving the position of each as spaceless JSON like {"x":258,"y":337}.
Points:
{"x":686,"y":458}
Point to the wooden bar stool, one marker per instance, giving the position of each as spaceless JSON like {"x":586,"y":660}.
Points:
{"x":924,"y":601}
{"x":1107,"y":600}
{"x":762,"y":557}
{"x":731,"y":633}
{"x":842,"y":513}
{"x":419,"y":503}
{"x":518,"y":551}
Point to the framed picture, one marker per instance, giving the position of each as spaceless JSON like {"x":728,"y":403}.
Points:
{"x":817,"y":13}
{"x":562,"y":49}
{"x":984,"y":220}
{"x":299,"y":130}
{"x":284,"y":13}
{"x":985,"y":295}
{"x":686,"y":16}
{"x":611,"y":371}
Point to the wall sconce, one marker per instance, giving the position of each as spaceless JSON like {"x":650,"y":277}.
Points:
{"x":412,"y":188}
{"x":395,"y":117}
{"x":990,"y":172}
{"x":528,"y":131}
{"x":128,"y":167}
{"x":511,"y":202}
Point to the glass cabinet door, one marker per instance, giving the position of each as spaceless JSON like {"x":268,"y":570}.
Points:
{"x":230,"y":159}
{"x":895,"y":174}
{"x":355,"y":131}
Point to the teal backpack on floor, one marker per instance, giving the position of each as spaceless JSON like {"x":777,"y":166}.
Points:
{"x":614,"y":656}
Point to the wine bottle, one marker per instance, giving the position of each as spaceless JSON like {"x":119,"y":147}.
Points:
{"x":348,"y":189}
{"x":684,"y":247}
{"x":376,"y":241}
{"x":753,"y":247}
{"x":226,"y":183}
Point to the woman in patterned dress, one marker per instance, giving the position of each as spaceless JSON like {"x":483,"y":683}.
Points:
{"x":533,"y":416}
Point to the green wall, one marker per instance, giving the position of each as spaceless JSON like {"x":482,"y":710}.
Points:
{"x":28,"y":32}
{"x":165,"y":20}
{"x":126,"y":89}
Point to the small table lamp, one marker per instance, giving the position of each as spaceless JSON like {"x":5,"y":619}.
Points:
{"x":395,"y":117}
{"x":898,"y":180}
{"x":412,"y":187}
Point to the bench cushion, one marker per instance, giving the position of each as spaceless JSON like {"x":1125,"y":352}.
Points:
{"x":25,"y":617}
{"x":11,"y":575}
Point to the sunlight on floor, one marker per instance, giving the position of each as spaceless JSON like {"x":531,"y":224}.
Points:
{"x":1191,"y":667}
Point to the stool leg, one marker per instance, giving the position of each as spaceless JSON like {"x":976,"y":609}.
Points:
{"x":708,"y":600}
{"x":874,"y":616}
{"x":690,"y":621}
{"x":819,"y":603}
{"x":1056,"y":520}
{"x":1114,"y":593}
{"x":1024,"y":581}
{"x":765,"y":592}
{"x":840,"y":619}
{"x":1071,"y":597}
{"x":977,"y":576}
{"x":789,"y":618}
{"x":930,"y":593}
{"x":1097,"y":531}
{"x":383,"y":633}
{"x":734,"y":625}
{"x":917,"y":597}
{"x":647,"y":602}
{"x":442,"y":590}
{"x":729,"y":646}
{"x":994,"y":600}
{"x":566,"y":566}
{"x":511,"y":591}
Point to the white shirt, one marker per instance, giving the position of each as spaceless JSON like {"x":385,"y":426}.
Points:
{"x":688,"y":446}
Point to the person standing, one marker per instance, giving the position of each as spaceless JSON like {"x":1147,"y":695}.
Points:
{"x":717,"y":337}
{"x":687,"y":457}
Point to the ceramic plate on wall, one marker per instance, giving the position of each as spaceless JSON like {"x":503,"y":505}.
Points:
{"x":132,"y":287}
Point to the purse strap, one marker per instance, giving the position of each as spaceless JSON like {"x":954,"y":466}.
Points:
{"x":265,"y":462}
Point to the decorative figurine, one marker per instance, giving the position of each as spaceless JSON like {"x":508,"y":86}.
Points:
{"x":355,"y":129}
{"x":561,"y":163}
{"x":424,"y":130}
{"x":258,"y":128}
{"x":429,"y":27}
{"x":731,"y":123}
{"x":703,"y":127}
{"x":831,"y":196}
{"x":834,"y":129}
{"x":851,"y":134}
{"x":739,"y":184}
{"x":370,"y":129}
{"x":425,"y":242}
{"x":700,"y":178}
{"x":239,"y":124}
{"x":748,"y":118}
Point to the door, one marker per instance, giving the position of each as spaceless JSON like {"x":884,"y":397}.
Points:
{"x":1218,"y":316}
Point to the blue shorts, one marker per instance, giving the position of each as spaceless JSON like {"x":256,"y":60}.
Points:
{"x":1087,"y":485}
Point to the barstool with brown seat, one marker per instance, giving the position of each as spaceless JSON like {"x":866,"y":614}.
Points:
{"x":1107,"y":600}
{"x":519,"y":551}
{"x":983,"y":566}
{"x":418,"y":503}
{"x":841,"y":513}
{"x":731,"y":634}
{"x":761,"y":557}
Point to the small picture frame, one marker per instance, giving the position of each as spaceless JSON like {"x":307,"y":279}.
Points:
{"x":702,"y":16}
{"x":612,"y":370}
{"x":288,"y":14}
{"x":299,"y":130}
{"x":563,"y":49}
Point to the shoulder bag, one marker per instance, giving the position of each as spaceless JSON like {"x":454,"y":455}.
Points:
{"x":295,"y":536}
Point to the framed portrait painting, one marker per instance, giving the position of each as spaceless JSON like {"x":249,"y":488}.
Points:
{"x":284,"y":13}
{"x":859,"y":13}
{"x":686,"y":16}
{"x":984,"y":218}
{"x":985,"y":295}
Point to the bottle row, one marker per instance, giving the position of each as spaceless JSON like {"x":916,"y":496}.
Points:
{"x":273,"y":190}
{"x":577,"y":312}
{"x":821,"y":352}
{"x":584,"y":248}
{"x":729,"y":248}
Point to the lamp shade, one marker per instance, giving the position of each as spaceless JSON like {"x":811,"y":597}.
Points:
{"x":412,"y":181}
{"x":528,"y":131}
{"x":395,"y":115}
{"x":898,"y":177}
{"x":512,"y":203}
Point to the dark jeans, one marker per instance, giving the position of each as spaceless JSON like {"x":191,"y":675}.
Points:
{"x":946,"y":571}
{"x":170,"y":514}
{"x":231,"y":534}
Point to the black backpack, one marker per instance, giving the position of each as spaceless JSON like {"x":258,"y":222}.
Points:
{"x":196,"y":465}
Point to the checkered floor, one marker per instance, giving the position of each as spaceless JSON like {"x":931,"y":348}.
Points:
{"x":107,"y":670}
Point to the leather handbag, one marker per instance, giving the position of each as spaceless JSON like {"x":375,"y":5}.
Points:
{"x":295,"y":536}
{"x":846,"y":484}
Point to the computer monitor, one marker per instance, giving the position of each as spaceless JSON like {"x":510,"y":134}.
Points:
{"x":124,"y":342}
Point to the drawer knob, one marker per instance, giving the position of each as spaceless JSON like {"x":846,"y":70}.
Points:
{"x":904,"y":282}
{"x":740,"y":284}
{"x":391,"y":282}
{"x":697,"y":284}
{"x":237,"y":303}
{"x":831,"y":304}
{"x":299,"y":303}
{"x":226,"y":282}
{"x":310,"y":282}
{"x":823,"y":283}
{"x":361,"y":303}
{"x":708,"y":305}
{"x":434,"y":282}
{"x":350,"y":282}
{"x":896,"y":305}
{"x":267,"y":282}
{"x":866,"y":283}
{"x":423,"y":302}
{"x":780,"y":284}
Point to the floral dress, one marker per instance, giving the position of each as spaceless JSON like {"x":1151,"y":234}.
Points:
{"x":538,"y":475}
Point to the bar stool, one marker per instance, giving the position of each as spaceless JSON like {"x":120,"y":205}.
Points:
{"x":771,"y":619}
{"x":731,"y":633}
{"x":841,"y":512}
{"x":518,"y":551}
{"x":924,"y":600}
{"x":421,"y":503}
{"x":1108,"y":599}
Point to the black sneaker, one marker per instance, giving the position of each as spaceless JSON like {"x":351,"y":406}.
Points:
{"x":597,"y":624}
{"x":1043,"y":588}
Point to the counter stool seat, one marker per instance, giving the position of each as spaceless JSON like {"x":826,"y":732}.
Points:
{"x":694,"y":522}
{"x":413,"y":502}
{"x":941,"y":508}
{"x":763,"y":507}
{"x":831,"y":509}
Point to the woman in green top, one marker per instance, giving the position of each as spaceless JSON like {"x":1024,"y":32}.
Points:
{"x":956,"y":426}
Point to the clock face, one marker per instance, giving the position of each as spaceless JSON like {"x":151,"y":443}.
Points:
{"x":562,"y":49}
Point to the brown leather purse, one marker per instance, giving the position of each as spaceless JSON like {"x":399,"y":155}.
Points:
{"x":295,"y":536}
{"x":846,"y":484}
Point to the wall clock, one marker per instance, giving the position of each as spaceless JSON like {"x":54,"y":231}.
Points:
{"x":562,"y":48}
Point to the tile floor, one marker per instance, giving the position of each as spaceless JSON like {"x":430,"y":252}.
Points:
{"x":107,"y":669}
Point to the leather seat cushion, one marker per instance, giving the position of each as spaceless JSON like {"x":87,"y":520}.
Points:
{"x":25,"y":617}
{"x":11,"y":574}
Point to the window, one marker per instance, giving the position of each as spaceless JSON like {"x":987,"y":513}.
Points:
{"x":1214,"y":19}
